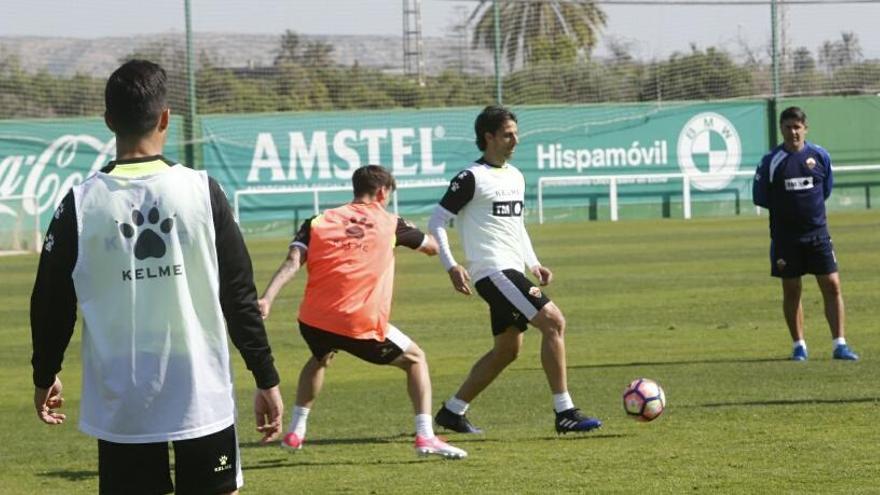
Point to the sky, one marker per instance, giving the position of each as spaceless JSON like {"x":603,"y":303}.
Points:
{"x":648,"y":31}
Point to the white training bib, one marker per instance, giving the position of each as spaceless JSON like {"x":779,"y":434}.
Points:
{"x":154,"y":348}
{"x":491,"y":224}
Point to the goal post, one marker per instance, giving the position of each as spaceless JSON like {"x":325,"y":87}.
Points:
{"x":863,"y":179}
{"x":315,"y":193}
{"x":19,"y":224}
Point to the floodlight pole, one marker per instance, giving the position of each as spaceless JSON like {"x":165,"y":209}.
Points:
{"x":189,"y":121}
{"x":496,"y":15}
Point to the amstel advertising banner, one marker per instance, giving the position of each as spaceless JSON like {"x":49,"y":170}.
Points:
{"x":302,"y":150}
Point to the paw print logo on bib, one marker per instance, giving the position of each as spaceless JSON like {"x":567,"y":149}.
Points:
{"x":149,"y":232}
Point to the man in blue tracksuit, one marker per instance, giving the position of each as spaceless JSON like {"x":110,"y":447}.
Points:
{"x":792,"y":182}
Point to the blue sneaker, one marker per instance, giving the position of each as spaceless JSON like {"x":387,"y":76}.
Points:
{"x":845,"y":353}
{"x":800,"y":353}
{"x":573,"y":420}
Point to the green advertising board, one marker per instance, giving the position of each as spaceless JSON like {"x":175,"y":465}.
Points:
{"x":844,"y":125}
{"x":45,"y":158}
{"x":716,"y":144}
{"x":709,"y":141}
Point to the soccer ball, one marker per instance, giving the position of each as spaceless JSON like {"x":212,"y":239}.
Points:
{"x":644,"y":400}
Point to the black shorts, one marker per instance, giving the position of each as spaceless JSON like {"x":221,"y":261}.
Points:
{"x":513,"y":299}
{"x":322,"y":342}
{"x":203,"y":465}
{"x":792,"y":259}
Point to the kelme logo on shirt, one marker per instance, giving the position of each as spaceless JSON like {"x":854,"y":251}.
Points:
{"x":357,"y":226}
{"x":149,"y":235}
{"x":149,"y":244}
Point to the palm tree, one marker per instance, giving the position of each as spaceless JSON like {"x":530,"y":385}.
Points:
{"x":525,"y":23}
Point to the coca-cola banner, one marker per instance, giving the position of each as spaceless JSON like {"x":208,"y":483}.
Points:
{"x":45,"y":158}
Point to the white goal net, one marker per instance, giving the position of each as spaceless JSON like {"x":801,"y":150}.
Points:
{"x":19,"y":225}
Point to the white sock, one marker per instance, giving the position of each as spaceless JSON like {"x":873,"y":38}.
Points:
{"x":562,"y":402}
{"x":457,"y":405}
{"x":839,"y":341}
{"x":298,"y":422}
{"x":423,"y":426}
{"x":799,"y":343}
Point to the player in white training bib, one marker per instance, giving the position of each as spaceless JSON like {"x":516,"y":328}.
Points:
{"x":487,"y":202}
{"x":150,"y":251}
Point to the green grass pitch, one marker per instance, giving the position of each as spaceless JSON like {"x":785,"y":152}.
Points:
{"x":687,"y":303}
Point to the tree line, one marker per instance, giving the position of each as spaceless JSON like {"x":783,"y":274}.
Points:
{"x":303,"y":77}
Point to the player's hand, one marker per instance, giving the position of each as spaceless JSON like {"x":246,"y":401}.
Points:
{"x":543,"y":274}
{"x":46,"y":400}
{"x":460,"y":278}
{"x":269,"y":410}
{"x":265,"y":307}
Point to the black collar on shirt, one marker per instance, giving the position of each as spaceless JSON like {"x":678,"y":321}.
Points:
{"x":141,"y":159}
{"x":483,"y":161}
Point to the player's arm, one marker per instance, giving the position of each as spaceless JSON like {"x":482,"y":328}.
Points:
{"x":542,"y":273}
{"x":408,"y":235}
{"x":238,"y":295}
{"x":238,"y":300}
{"x":829,"y":178}
{"x":429,"y":246}
{"x":53,"y":310}
{"x":458,"y":195}
{"x":295,"y":259}
{"x":761,"y":184}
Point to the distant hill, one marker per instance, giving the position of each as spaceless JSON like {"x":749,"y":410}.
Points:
{"x":99,"y":56}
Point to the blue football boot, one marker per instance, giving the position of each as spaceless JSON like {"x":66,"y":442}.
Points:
{"x":845,"y":353}
{"x":573,"y":420}
{"x":455,"y":422}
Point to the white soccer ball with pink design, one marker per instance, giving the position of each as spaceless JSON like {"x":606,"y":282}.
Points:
{"x":644,"y":400}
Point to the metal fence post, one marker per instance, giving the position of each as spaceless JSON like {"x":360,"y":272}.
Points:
{"x":189,"y":120}
{"x":775,"y":47}
{"x":496,"y":14}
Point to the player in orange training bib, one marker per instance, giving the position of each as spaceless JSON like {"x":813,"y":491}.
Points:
{"x":347,"y":301}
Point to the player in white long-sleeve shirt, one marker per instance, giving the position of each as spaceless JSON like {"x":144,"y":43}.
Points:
{"x":486,"y":201}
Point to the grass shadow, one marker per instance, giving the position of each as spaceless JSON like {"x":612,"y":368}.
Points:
{"x":336,"y":441}
{"x":665,"y":363}
{"x":292,"y":462}
{"x":788,"y":402}
{"x":467,"y":438}
{"x":586,"y":436}
{"x":71,"y":475}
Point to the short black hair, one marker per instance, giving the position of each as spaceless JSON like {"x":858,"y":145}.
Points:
{"x":793,"y":113}
{"x":367,"y":180}
{"x":135,"y":97}
{"x":490,"y":120}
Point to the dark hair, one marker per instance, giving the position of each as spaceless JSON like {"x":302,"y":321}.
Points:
{"x":793,"y":113}
{"x":490,"y":120}
{"x":135,"y":97}
{"x":368,"y":179}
